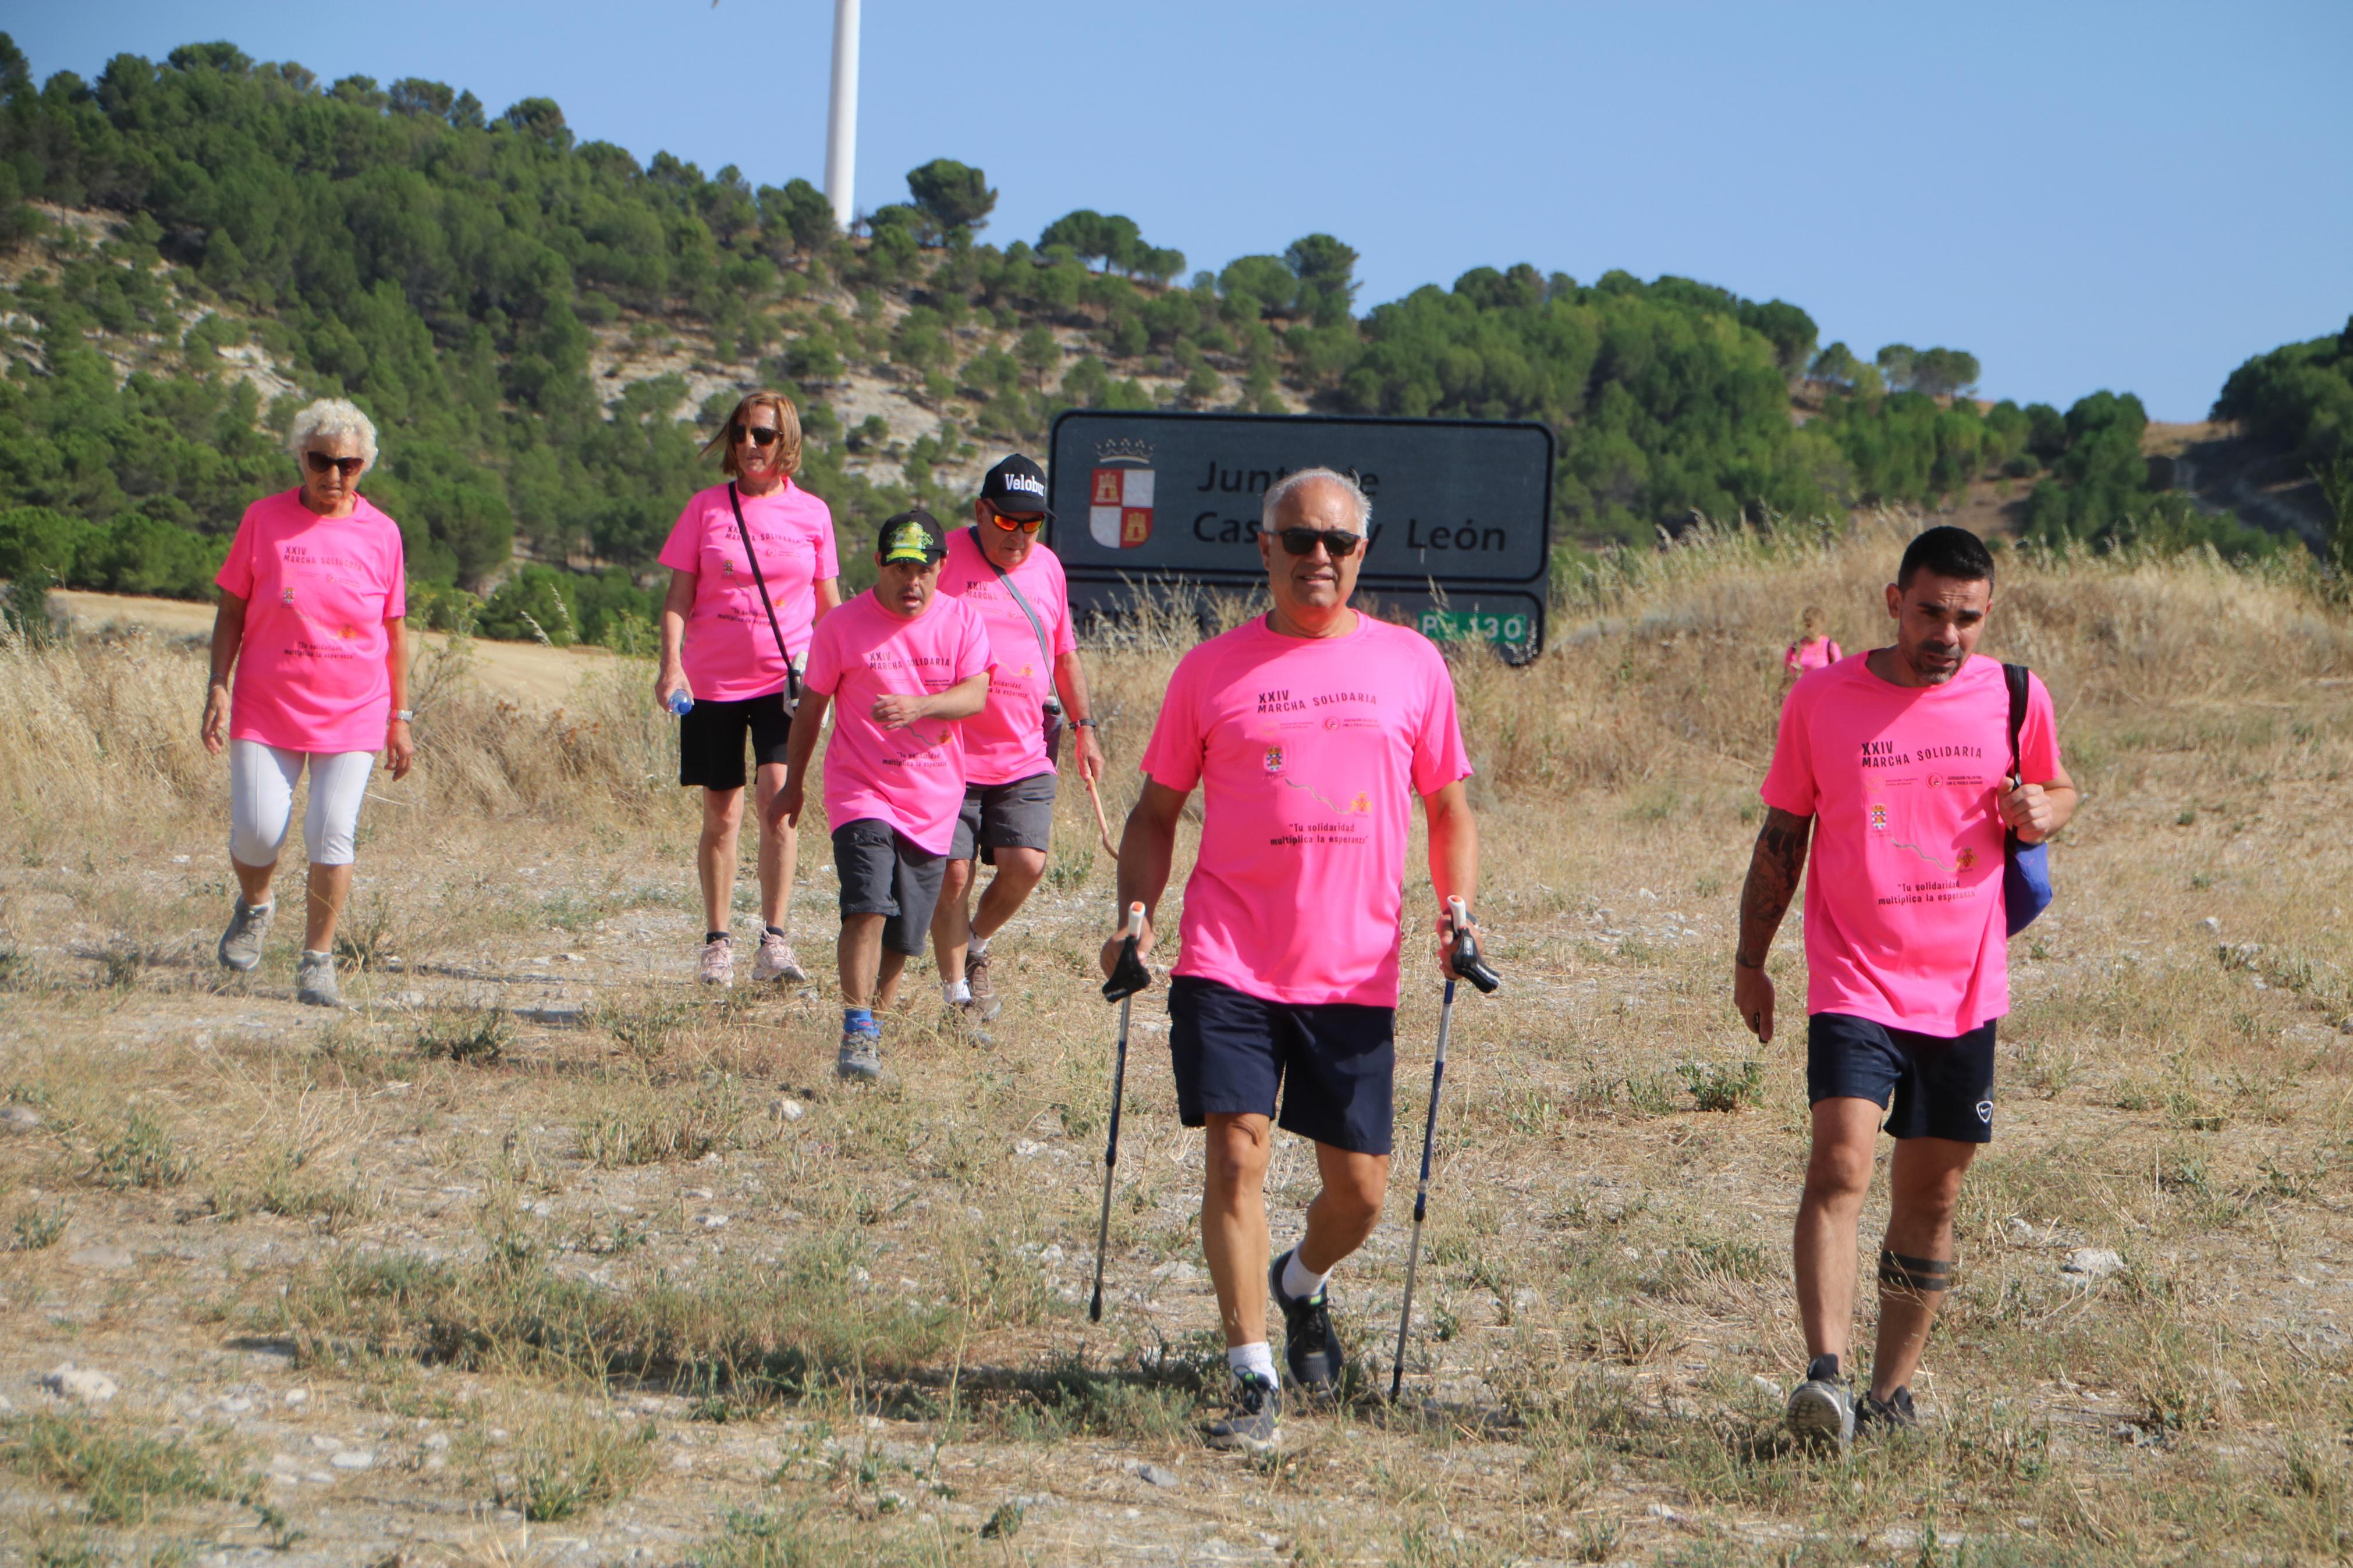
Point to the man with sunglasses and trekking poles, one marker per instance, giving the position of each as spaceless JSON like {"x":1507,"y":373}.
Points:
{"x":1914,"y":769}
{"x":1011,"y":747}
{"x":1307,"y":729}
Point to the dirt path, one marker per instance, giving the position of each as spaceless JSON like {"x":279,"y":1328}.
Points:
{"x":526,"y":671}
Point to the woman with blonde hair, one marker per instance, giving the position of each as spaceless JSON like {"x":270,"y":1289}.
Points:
{"x":753,"y":569}
{"x":313,"y":600}
{"x":1813,"y":650}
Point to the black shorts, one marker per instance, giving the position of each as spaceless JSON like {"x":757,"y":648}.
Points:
{"x":1941,"y":1087}
{"x":885,"y":872}
{"x":711,"y":739}
{"x":1232,"y":1053}
{"x":1016,"y":815}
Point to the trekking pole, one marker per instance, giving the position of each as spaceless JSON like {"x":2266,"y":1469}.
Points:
{"x":1128,"y":976}
{"x":1472,"y":967}
{"x":1103,"y":827}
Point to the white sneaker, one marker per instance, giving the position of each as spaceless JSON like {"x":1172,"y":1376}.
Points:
{"x":719,"y":963}
{"x":776,"y":961}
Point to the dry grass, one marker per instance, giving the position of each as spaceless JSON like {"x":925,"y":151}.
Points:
{"x":658,"y":1276}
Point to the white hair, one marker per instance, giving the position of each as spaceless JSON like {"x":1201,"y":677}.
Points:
{"x":1277,"y":492}
{"x":333,"y":417}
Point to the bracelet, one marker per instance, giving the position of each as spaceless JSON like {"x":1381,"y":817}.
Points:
{"x":1740,"y":962}
{"x":1084,"y":724}
{"x":404,"y":715}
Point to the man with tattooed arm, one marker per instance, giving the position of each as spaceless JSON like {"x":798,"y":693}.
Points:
{"x":1899,"y":765}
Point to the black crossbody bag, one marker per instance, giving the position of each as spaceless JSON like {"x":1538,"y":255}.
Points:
{"x":792,"y":676}
{"x":1052,"y":725}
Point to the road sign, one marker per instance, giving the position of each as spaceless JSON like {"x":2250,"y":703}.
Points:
{"x":1461,"y":509}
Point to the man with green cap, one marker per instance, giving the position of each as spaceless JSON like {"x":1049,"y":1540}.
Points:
{"x":901,"y":663}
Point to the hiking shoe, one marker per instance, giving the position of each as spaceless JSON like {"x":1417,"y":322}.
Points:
{"x":1892,"y":1414}
{"x":965,"y":1020}
{"x":1310,"y":1346}
{"x":776,"y":961}
{"x":860,"y":1060}
{"x":719,"y":963}
{"x":1821,"y":1408}
{"x":314,"y":985}
{"x":1255,"y":1421}
{"x":240,"y":945}
{"x":985,"y":1002}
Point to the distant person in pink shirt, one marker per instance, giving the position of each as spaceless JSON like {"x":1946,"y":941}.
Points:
{"x":899,"y":666}
{"x":998,"y":568}
{"x":1813,"y":648}
{"x":734,"y":624}
{"x":312,"y":622}
{"x":1309,"y":732}
{"x":1898,"y":766}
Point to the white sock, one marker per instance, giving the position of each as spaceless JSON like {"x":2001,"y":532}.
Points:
{"x":957,"y":992}
{"x":1258,"y":1358}
{"x":978,"y":947}
{"x":1299,"y":1281}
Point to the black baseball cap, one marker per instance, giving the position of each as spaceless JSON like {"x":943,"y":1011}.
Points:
{"x":1018,"y":486}
{"x":912,"y":535}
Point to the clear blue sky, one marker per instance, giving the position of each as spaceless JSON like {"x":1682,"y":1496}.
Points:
{"x":2127,"y":195}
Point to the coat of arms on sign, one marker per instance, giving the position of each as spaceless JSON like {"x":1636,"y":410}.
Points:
{"x":1119,"y":498}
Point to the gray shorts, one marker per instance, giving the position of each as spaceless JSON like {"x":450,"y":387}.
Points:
{"x":885,"y":872}
{"x":1016,"y":815}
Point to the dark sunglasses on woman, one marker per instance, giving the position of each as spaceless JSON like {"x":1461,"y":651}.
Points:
{"x":319,"y":463}
{"x":1338,"y":543}
{"x":761,"y":435}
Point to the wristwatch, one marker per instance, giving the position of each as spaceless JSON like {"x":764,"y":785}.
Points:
{"x":404,"y":716}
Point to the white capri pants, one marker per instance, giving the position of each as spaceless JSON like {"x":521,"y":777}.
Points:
{"x":262,"y":802}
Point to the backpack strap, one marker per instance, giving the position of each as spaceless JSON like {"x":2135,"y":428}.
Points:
{"x":792,"y":677}
{"x":2014,"y":677}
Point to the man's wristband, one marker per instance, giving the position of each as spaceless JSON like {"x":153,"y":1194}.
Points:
{"x":1084,"y":724}
{"x":1740,"y":962}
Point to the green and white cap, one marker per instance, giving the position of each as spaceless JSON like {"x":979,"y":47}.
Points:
{"x":912,"y":535}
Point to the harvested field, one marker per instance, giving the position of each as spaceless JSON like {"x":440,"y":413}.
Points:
{"x":541,"y":1254}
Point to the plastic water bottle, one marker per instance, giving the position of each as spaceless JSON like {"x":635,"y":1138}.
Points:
{"x":679,"y":704}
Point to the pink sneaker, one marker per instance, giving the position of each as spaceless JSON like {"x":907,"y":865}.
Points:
{"x":776,"y":961}
{"x":719,"y":963}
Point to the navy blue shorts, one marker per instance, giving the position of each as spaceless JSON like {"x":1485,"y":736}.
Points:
{"x":1941,"y":1087}
{"x":1232,"y":1053}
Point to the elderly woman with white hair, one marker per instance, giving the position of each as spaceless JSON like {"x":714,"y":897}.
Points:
{"x":312,"y":601}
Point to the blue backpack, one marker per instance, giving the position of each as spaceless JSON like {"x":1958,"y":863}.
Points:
{"x":2026,"y":868}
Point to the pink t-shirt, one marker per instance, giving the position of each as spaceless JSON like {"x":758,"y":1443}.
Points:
{"x":1308,"y":751}
{"x":310,"y":674}
{"x":911,"y":778}
{"x":1803,"y":657}
{"x":1904,"y":905}
{"x":1006,"y":741}
{"x":729,"y":653}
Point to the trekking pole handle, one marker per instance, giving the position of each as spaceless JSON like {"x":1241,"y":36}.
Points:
{"x":1459,"y":914}
{"x":1135,"y":926}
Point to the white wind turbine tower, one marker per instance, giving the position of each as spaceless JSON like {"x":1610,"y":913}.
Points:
{"x":842,"y":117}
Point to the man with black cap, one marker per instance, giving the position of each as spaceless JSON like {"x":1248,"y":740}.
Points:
{"x":902,"y":663}
{"x":1012,"y":747}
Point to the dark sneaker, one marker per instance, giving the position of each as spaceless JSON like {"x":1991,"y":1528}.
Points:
{"x":1254,"y":1422}
{"x":314,"y":984}
{"x":1892,"y":1414}
{"x":240,"y":945}
{"x":985,"y":1002}
{"x":1821,"y":1408}
{"x":1310,"y":1346}
{"x":860,"y":1060}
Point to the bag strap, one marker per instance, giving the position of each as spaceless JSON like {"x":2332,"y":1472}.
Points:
{"x":792,"y":680}
{"x":1036,"y":626}
{"x":2014,"y":677}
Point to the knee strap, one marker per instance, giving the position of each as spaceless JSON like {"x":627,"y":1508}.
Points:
{"x":1922,"y":1276}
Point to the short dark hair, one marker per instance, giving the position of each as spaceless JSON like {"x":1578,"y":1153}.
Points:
{"x":1948,"y":551}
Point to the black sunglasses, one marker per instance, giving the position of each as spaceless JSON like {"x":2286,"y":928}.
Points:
{"x":762,"y":435}
{"x":1338,"y":543}
{"x":319,"y":463}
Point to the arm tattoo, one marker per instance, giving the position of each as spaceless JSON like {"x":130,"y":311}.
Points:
{"x":1773,"y":872}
